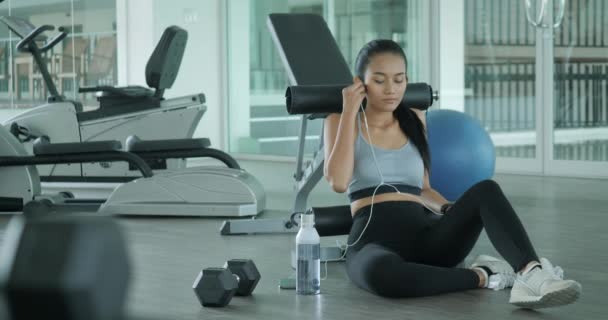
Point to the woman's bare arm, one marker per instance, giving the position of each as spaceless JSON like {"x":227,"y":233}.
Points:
{"x":339,"y":140}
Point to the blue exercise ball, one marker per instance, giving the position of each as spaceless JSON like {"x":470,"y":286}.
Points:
{"x":462,"y":152}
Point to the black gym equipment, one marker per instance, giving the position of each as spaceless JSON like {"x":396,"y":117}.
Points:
{"x":215,"y":287}
{"x":64,"y":267}
{"x":328,"y":98}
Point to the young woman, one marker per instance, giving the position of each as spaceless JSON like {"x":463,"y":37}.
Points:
{"x":399,"y":244}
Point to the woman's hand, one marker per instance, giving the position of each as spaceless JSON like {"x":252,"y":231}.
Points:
{"x":352,"y":96}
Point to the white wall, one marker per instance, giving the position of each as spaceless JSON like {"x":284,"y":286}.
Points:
{"x":135,"y":40}
{"x":238,"y":64}
{"x":202,"y":66}
{"x":140,"y":25}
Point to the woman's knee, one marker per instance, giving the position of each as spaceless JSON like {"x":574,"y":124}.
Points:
{"x":486,"y":188}
{"x":487,"y":184}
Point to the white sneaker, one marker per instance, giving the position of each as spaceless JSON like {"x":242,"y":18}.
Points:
{"x":503,"y":276}
{"x":542,"y":288}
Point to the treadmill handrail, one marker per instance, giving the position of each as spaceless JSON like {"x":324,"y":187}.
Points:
{"x":110,"y":156}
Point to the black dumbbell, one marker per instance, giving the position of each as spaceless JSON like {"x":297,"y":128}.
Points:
{"x":215,"y":287}
{"x":70,"y":266}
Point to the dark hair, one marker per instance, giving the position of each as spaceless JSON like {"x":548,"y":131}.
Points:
{"x":408,"y":120}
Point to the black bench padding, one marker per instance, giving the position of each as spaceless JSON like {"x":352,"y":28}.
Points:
{"x":332,"y":221}
{"x":42,"y":148}
{"x":311,"y":99}
{"x":134,"y":144}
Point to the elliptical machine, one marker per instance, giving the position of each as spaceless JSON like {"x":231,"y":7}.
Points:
{"x":196,"y":191}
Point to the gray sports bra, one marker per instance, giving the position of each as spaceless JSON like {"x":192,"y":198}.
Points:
{"x":401,"y":167}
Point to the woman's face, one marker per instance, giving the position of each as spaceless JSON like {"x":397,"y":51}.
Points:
{"x":385,"y":81}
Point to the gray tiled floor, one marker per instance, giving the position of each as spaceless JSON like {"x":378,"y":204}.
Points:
{"x":566,"y":218}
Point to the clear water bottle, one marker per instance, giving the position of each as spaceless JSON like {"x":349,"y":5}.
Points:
{"x":308,"y":257}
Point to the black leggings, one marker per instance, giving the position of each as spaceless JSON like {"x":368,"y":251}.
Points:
{"x":408,"y":251}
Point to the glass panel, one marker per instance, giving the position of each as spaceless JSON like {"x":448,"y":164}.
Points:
{"x":91,"y":48}
{"x":6,"y":51}
{"x":358,"y":22}
{"x":500,"y":74}
{"x":29,"y":89}
{"x":271,"y":130}
{"x":580,"y":124}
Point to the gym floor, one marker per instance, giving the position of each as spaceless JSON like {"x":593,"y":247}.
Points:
{"x":566,"y":219}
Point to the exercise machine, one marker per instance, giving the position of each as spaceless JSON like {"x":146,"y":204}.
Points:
{"x":122,"y":111}
{"x":196,"y":191}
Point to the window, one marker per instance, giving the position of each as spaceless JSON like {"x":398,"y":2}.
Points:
{"x":86,"y":57}
{"x":500,"y":60}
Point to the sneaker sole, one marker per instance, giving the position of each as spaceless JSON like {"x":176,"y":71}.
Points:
{"x":552,"y":299}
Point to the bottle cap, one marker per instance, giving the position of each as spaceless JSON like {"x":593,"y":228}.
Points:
{"x":307,"y":219}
